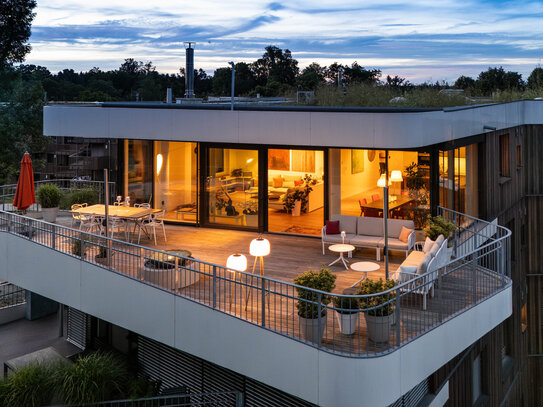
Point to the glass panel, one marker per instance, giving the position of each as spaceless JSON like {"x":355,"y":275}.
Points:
{"x":232,"y":187}
{"x":138,"y":183}
{"x":176,"y":180}
{"x":295,"y":191}
{"x":446,"y":179}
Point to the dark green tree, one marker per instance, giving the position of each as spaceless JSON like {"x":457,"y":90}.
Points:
{"x":311,"y":77}
{"x":464,"y":82}
{"x":497,"y":79}
{"x":535,"y":80}
{"x":15,"y":20}
{"x":276,"y":65}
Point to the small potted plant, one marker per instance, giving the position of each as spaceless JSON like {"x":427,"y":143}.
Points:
{"x":251,"y":216}
{"x":347,"y":312}
{"x":293,"y":202}
{"x":440,"y":226}
{"x":49,"y":196}
{"x":77,"y":248}
{"x":104,"y":255}
{"x":308,"y":304}
{"x":379,"y":307}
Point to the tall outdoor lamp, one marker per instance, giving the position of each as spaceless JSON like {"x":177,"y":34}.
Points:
{"x":259,"y":248}
{"x":382,"y":183}
{"x":236,"y":263}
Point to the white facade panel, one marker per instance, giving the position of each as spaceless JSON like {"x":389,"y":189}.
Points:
{"x":276,"y":128}
{"x":199,"y":125}
{"x":88,"y":122}
{"x":138,"y":126}
{"x":322,"y":378}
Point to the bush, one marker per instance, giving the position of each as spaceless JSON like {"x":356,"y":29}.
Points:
{"x":439,"y":226}
{"x":49,"y":196}
{"x":93,"y":378}
{"x":345,"y":305}
{"x":322,"y":280}
{"x":80,"y":196}
{"x":381,"y":305}
{"x":29,"y":386}
{"x":77,"y":248}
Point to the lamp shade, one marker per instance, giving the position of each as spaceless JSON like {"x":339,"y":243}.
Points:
{"x":396,"y":176}
{"x":259,"y":247}
{"x":236,"y":262}
{"x":382,"y":182}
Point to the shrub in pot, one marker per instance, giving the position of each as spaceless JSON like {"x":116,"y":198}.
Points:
{"x":103,"y":256}
{"x":77,"y":248}
{"x":308,"y":304}
{"x":347,"y":312}
{"x":49,"y":196}
{"x":440,"y":226}
{"x":379,"y":307}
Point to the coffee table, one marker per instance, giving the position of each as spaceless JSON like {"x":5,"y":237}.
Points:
{"x":341,"y":248}
{"x":364,"y":267}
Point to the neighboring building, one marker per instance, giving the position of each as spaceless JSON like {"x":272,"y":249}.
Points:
{"x":209,"y":166}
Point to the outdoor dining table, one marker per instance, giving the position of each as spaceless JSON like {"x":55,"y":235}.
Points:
{"x":130,"y":213}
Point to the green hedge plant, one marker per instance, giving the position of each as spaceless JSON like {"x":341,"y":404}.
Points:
{"x":89,"y":196}
{"x":439,"y":226}
{"x":322,"y":280}
{"x":49,"y":196}
{"x":381,"y":304}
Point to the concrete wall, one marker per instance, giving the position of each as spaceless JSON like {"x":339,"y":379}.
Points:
{"x":332,"y":129}
{"x":298,"y":369}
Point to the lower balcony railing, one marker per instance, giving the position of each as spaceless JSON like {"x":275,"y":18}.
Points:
{"x":468,"y":279}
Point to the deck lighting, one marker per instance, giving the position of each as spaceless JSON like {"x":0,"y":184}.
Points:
{"x":236,"y":262}
{"x":343,"y":236}
{"x":259,"y":247}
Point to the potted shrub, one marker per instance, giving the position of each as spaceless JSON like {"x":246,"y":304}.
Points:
{"x":440,"y":226}
{"x":49,"y":196}
{"x":104,"y":256}
{"x":251,"y":216}
{"x":347,"y":312}
{"x":293,"y":202}
{"x":77,"y":248}
{"x":380,"y":308}
{"x":308,"y":304}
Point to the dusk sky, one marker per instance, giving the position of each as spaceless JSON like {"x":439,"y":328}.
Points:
{"x":422,"y":40}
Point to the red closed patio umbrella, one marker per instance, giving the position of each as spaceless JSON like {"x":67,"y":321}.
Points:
{"x":25,"y":194}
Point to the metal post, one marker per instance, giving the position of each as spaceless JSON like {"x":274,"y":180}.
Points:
{"x":60,"y":320}
{"x":239,"y":399}
{"x":106,"y":203}
{"x":233,"y":83}
{"x":53,"y":237}
{"x":397,"y":311}
{"x":263,"y":298}
{"x":214,"y":287}
{"x":319,"y":320}
{"x":385,"y":220}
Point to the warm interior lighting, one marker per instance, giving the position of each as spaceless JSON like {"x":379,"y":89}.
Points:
{"x":236,"y":262}
{"x":382,"y":182}
{"x":159,"y":160}
{"x":396,"y":176}
{"x":249,"y":161}
{"x":259,"y":247}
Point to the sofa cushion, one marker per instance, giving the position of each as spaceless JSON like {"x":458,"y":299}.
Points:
{"x":404,"y":234}
{"x":395,"y":226}
{"x":346,"y":223}
{"x":332,"y":227}
{"x":428,"y":243}
{"x":409,"y":271}
{"x":393,"y":244}
{"x":440,"y":239}
{"x":278,"y":182}
{"x":298,"y":183}
{"x":369,"y":226}
{"x":435,"y":248}
{"x":414,"y":259}
{"x":365,"y":241}
{"x":423,"y":266}
{"x":337,"y":238}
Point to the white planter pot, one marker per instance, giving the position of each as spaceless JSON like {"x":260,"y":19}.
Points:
{"x":449,"y":253}
{"x":347,"y":322}
{"x":309,"y":327}
{"x":297,"y":208}
{"x":251,"y":220}
{"x":49,"y":214}
{"x":379,"y":327}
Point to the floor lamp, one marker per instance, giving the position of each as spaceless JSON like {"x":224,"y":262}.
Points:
{"x":236,"y":263}
{"x":259,"y":248}
{"x":382,"y":183}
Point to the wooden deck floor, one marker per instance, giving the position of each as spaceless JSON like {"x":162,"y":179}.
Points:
{"x":290,"y":256}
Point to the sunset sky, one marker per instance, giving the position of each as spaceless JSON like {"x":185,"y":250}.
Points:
{"x":422,"y":40}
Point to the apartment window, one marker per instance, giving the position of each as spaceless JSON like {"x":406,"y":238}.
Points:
{"x":505,"y":170}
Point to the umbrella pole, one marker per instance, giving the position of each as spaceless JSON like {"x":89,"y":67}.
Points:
{"x":106,"y":203}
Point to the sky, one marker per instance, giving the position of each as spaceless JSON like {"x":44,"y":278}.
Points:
{"x":421,"y":40}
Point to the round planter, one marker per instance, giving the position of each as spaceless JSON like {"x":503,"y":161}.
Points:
{"x":309,"y":328}
{"x":103,"y":260}
{"x":49,"y":214}
{"x":160,"y":269}
{"x":347,"y":322}
{"x":379,"y":327}
{"x":297,"y":208}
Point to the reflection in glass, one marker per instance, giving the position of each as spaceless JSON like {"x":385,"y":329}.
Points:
{"x":138,"y":158}
{"x":232,"y":187}
{"x":176,"y":181}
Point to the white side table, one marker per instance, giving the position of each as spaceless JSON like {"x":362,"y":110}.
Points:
{"x":341,"y":248}
{"x":364,"y":267}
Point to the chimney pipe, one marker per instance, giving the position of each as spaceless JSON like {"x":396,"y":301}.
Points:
{"x":169,"y":95}
{"x":189,"y":70}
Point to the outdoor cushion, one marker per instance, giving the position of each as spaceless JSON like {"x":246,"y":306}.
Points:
{"x":423,"y":266}
{"x":337,"y":238}
{"x":366,"y":241}
{"x":332,"y":227}
{"x":404,"y":234}
{"x":414,"y":259}
{"x":428,"y":244}
{"x":395,"y":226}
{"x":393,"y":244}
{"x":435,"y":249}
{"x":369,"y":226}
{"x":440,"y":239}
{"x":346,"y":223}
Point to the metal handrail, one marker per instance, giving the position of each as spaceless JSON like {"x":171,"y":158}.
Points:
{"x":272,"y":302}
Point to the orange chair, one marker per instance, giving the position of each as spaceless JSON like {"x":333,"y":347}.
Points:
{"x":375,"y":197}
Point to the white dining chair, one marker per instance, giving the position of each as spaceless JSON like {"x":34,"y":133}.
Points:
{"x":154,"y":221}
{"x":115,"y":222}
